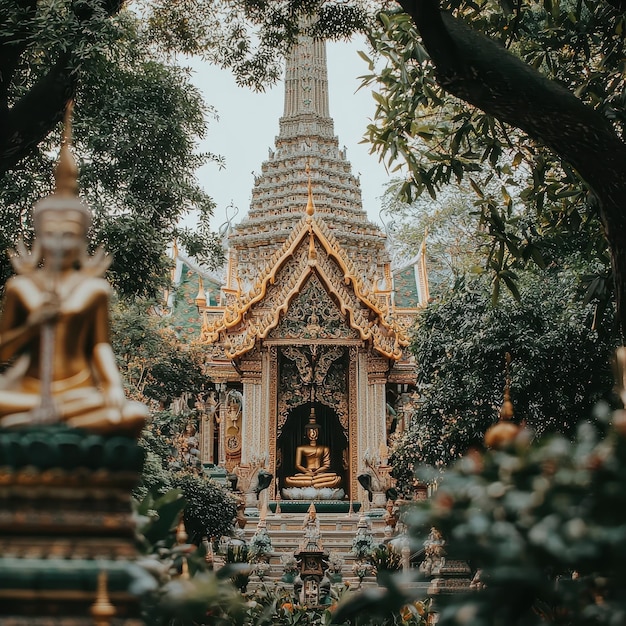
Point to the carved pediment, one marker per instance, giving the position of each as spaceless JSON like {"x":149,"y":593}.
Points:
{"x":312,"y":315}
{"x":311,"y":292}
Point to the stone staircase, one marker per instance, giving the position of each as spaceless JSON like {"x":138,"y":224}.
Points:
{"x":337,"y":531}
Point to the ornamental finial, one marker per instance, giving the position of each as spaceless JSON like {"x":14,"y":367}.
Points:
{"x":310,"y":205}
{"x":66,"y":171}
{"x":504,"y":432}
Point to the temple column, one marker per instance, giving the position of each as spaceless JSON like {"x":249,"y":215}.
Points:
{"x":267,"y":398}
{"x":252,"y":421}
{"x":376,"y":418}
{"x":362,"y":439}
{"x":377,"y":404}
{"x":223,"y":416}
{"x":206,"y":438}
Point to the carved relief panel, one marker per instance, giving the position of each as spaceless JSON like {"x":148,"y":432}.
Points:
{"x":312,"y":315}
{"x":312,"y":373}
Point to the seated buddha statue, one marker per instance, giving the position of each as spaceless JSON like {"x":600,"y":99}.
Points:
{"x":313,"y":462}
{"x":55,"y":325}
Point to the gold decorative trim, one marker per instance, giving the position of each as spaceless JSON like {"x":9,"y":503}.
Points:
{"x":273,"y":412}
{"x":353,"y":420}
{"x":387,"y":335}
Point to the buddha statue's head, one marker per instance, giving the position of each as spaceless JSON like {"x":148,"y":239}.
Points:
{"x":61,"y":220}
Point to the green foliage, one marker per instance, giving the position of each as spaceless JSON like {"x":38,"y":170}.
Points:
{"x":155,"y":365}
{"x":205,"y":597}
{"x":385,"y":559}
{"x":559,"y":366}
{"x":161,"y":514}
{"x":447,"y":226}
{"x":210,"y":508}
{"x":362,"y":545}
{"x":544,"y":525}
{"x":137,"y":121}
{"x":443,"y":141}
{"x":260,"y":545}
{"x":249,"y":36}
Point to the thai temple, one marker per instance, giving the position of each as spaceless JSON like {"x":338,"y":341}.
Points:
{"x":306,"y":327}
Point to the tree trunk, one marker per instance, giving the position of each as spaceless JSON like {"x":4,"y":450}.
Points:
{"x":30,"y":120}
{"x":474,"y":68}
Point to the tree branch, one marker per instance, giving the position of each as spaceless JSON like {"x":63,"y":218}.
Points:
{"x":481,"y":72}
{"x":474,"y":68}
{"x":30,"y":120}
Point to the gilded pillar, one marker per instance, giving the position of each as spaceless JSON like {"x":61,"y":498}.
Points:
{"x":252,"y":416}
{"x":377,"y":404}
{"x":272,"y":413}
{"x":222,"y":411}
{"x":362,"y":414}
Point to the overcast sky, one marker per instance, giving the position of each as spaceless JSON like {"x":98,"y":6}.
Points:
{"x":248,"y":124}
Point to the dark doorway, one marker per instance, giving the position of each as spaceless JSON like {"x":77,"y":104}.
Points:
{"x":331,"y":434}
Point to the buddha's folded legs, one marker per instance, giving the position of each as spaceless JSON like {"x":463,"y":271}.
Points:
{"x":310,"y":480}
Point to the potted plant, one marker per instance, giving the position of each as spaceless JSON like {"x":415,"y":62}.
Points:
{"x":290,"y":567}
{"x":361,"y":569}
{"x":237,"y":553}
{"x":260,"y":546}
{"x":362,"y":545}
{"x":385,"y":561}
{"x":335,"y":565}
{"x":261,"y":569}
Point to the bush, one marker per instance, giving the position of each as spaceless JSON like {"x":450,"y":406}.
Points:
{"x":210,"y":508}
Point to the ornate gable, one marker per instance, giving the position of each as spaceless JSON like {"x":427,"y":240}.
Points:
{"x":313,"y":315}
{"x":310,"y":250}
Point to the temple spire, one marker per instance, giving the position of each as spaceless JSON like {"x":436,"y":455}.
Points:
{"x":306,"y":85}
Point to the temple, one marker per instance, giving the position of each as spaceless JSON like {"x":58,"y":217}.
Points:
{"x":309,"y":322}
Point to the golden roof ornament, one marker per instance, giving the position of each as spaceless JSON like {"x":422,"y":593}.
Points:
{"x":102,"y":610}
{"x":66,"y":171}
{"x":504,"y":432}
{"x":310,"y":205}
{"x":65,"y":195}
{"x":181,"y":532}
{"x":201,"y":296}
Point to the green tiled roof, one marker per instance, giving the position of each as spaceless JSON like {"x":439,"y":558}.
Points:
{"x":185,"y":320}
{"x":406,"y":290}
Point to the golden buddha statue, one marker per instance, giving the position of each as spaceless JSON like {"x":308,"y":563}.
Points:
{"x":313,"y":462}
{"x":55,"y":323}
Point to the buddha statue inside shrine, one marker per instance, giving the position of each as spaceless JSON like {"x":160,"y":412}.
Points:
{"x":55,"y":324}
{"x":313,"y":462}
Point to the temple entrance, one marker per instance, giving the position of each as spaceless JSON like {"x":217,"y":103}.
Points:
{"x":294,"y":435}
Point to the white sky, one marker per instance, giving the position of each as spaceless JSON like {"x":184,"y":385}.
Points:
{"x":248,"y":124}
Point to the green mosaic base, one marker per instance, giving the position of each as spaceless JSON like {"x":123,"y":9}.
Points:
{"x":321,"y":506}
{"x":58,"y":446}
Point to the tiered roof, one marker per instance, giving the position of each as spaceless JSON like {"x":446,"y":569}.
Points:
{"x":306,"y":142}
{"x":310,"y":251}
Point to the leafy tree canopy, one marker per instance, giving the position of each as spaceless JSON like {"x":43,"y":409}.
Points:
{"x":546,"y":81}
{"x":447,"y":228}
{"x":136,"y":124}
{"x":560,"y":365}
{"x":541,"y":524}
{"x":156,"y":367}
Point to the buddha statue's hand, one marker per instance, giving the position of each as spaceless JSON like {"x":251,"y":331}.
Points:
{"x":114,"y":397}
{"x":46,"y":313}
